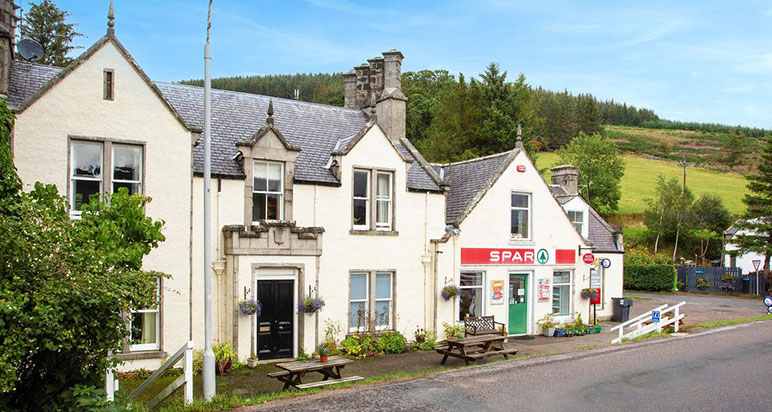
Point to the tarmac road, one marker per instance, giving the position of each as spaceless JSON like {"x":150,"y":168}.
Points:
{"x":719,"y":370}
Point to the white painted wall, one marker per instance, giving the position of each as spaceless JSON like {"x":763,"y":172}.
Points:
{"x":74,"y":107}
{"x":577,"y":204}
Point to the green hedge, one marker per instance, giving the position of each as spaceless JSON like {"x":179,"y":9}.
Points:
{"x":654,"y":278}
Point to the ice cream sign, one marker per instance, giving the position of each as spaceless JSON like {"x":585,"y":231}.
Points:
{"x":517,"y":256}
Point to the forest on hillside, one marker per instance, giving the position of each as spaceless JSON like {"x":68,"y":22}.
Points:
{"x":451,"y":117}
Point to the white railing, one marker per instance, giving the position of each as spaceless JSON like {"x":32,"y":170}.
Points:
{"x":643,"y":324}
{"x":186,"y":352}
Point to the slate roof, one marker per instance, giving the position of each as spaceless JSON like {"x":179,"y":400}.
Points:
{"x":599,"y":232}
{"x":466,"y":180}
{"x":237,"y":116}
{"x":26,"y":78}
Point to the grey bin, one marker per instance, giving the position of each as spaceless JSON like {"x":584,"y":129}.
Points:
{"x":621,"y":309}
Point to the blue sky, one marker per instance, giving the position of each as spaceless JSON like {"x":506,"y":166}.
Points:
{"x":707,"y":61}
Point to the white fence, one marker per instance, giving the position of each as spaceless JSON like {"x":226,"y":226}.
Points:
{"x":643,"y":324}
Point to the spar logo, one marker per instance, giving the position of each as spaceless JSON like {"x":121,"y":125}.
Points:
{"x":497,"y":256}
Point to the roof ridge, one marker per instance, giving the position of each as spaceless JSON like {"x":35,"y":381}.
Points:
{"x":260,"y":95}
{"x":476,"y":159}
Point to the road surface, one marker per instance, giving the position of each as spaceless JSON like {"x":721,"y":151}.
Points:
{"x":719,"y":370}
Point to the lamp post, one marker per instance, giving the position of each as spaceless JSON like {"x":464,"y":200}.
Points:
{"x":208,"y":357}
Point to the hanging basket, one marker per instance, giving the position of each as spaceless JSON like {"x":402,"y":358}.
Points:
{"x":449,"y":292}
{"x":311,"y":305}
{"x":250,"y":307}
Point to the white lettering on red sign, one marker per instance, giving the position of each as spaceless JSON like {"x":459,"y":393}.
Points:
{"x":511,"y":256}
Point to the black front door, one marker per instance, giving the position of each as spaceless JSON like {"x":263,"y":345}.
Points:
{"x":274,"y":326}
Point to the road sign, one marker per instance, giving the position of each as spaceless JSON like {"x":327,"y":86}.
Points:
{"x":542,"y":256}
{"x":756,"y":264}
{"x":655,"y":316}
{"x":588,"y":258}
{"x":606,"y":263}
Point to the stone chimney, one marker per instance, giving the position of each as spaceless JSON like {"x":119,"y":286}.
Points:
{"x":567,"y":177}
{"x":8,"y":21}
{"x":379,"y":81}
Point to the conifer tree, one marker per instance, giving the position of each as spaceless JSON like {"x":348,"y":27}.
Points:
{"x":755,"y":227}
{"x":47,"y":24}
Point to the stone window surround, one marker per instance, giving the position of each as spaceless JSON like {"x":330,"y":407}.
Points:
{"x":373,"y":208}
{"x":107,"y":161}
{"x":258,"y":153}
{"x":282,"y":184}
{"x":371,"y":299}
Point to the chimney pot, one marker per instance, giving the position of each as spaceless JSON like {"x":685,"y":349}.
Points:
{"x":567,"y":177}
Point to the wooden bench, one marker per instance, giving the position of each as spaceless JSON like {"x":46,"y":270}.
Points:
{"x":482,"y":325}
{"x":474,"y":348}
{"x":328,"y":382}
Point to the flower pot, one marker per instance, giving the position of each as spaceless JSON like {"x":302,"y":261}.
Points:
{"x":252,"y":363}
{"x":548,"y":331}
{"x":560,"y":333}
{"x":223,"y":366}
{"x":323,"y":358}
{"x":420,"y":339}
{"x":597,"y":329}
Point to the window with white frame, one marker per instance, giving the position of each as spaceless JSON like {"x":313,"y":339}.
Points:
{"x":383,"y":300}
{"x":470,"y":295}
{"x":577,"y":218}
{"x":520,"y":215}
{"x":127,"y":168}
{"x":267,"y":191}
{"x":561,"y":292}
{"x":86,"y":160}
{"x":145,"y":328}
{"x":383,"y":208}
{"x":361,"y":212}
{"x":358,"y":312}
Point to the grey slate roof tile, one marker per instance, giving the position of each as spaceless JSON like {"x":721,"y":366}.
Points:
{"x":26,"y":78}
{"x":466,"y":179}
{"x":601,"y":235}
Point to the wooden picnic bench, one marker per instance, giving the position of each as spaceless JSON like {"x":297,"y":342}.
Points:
{"x":474,"y":348}
{"x":292,"y":373}
{"x":482,"y":325}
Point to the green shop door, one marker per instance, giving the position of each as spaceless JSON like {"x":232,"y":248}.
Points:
{"x":518,"y":304}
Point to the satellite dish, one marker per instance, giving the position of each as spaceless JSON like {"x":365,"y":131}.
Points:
{"x":30,"y":50}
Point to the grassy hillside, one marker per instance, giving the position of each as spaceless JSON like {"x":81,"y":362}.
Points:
{"x":640,"y":180}
{"x":701,"y":148}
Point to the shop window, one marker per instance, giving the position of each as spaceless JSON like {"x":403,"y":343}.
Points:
{"x":145,"y":328}
{"x":85,"y":173}
{"x":470,"y":295}
{"x":361,"y":205}
{"x":371,"y":301}
{"x":520,"y":215}
{"x":561,"y":292}
{"x":383,"y":201}
{"x":267,"y":191}
{"x":577,"y":218}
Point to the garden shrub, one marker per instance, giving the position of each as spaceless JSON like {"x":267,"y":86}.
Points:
{"x":393,"y":342}
{"x":652,"y":278}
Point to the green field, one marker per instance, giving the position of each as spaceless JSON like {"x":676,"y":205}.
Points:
{"x":640,"y":181}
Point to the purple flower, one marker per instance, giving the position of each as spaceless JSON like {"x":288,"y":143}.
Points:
{"x":251,"y":307}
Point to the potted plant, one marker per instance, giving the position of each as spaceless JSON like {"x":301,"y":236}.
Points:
{"x":449,"y":292}
{"x":252,"y":361}
{"x":224,"y":354}
{"x":324,"y":352}
{"x":250,"y":307}
{"x":547,"y":324}
{"x":420,"y":335}
{"x":310,"y":305}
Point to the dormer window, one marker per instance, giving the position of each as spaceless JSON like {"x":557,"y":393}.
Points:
{"x":108,"y":84}
{"x":577,"y":218}
{"x":267,"y":191}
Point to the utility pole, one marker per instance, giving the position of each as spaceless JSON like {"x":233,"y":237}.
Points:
{"x":683,"y":164}
{"x":208,"y":358}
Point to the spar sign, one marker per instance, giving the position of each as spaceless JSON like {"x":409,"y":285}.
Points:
{"x":516,"y":256}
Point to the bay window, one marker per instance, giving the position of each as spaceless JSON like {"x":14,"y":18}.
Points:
{"x":267,"y":191}
{"x":520,"y":209}
{"x":561,"y":292}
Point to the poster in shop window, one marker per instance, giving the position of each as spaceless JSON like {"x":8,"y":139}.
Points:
{"x":544,"y":290}
{"x":497,"y":292}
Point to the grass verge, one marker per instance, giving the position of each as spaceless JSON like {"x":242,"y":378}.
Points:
{"x":720,"y":323}
{"x":641,"y":298}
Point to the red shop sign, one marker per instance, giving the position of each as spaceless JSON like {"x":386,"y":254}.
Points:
{"x":521,"y":168}
{"x":505,"y":256}
{"x":588,"y":258}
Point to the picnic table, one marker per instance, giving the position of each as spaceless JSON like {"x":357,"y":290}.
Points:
{"x":474,"y":348}
{"x":292,"y":373}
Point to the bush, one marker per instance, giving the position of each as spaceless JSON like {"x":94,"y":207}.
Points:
{"x":393,"y":342}
{"x":453,"y":331}
{"x":653,"y":278}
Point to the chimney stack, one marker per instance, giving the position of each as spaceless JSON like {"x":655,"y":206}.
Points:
{"x":380,"y":81}
{"x":567,"y":177}
{"x":8,"y":21}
